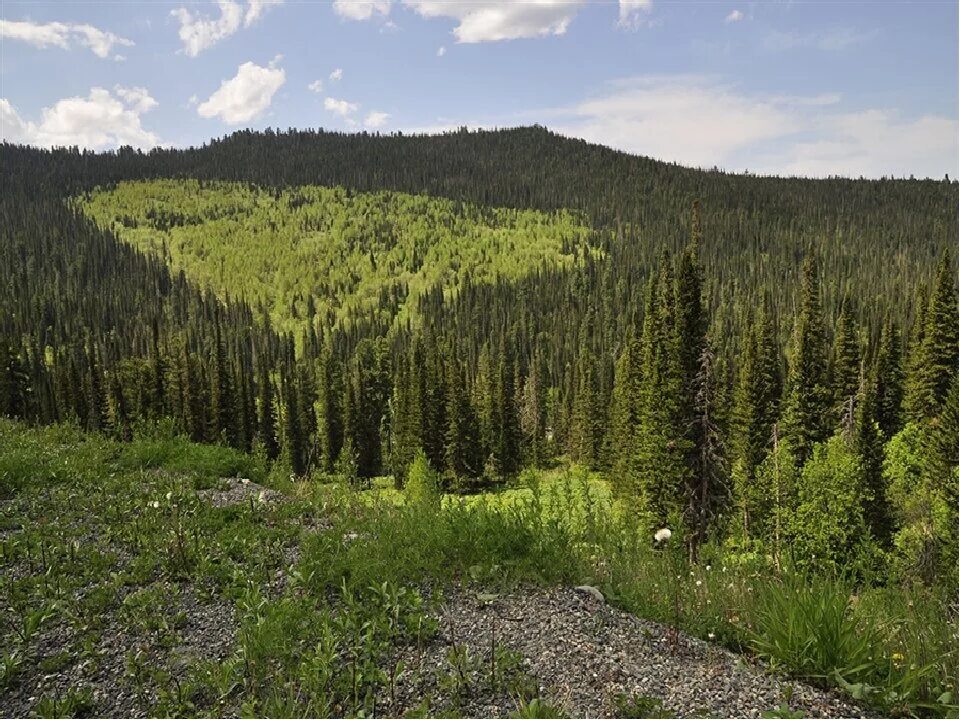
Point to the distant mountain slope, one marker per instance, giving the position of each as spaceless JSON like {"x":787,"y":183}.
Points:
{"x":324,"y":255}
{"x":872,"y":237}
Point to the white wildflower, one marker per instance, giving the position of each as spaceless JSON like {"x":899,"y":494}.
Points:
{"x":155,"y":504}
{"x":711,"y":636}
{"x":699,"y":583}
{"x":708,"y":568}
{"x":169,"y":495}
{"x":662,"y":535}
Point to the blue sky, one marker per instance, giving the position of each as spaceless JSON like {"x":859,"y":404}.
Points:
{"x":776,"y":87}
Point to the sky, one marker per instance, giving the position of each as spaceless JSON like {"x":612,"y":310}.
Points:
{"x":787,"y":88}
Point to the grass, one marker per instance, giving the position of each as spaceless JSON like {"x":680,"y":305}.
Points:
{"x":94,"y":532}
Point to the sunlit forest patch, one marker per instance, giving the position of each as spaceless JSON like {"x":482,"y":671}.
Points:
{"x":328,"y":254}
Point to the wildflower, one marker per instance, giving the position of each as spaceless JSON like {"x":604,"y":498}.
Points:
{"x":662,"y":535}
{"x":708,"y":568}
{"x":897,"y":657}
{"x":711,"y":636}
{"x":699,"y":583}
{"x":154,"y":504}
{"x":169,"y":495}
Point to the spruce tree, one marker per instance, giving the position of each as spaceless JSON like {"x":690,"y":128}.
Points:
{"x":845,"y":368}
{"x":756,"y":409}
{"x":889,"y":380}
{"x":266,"y":421}
{"x":935,"y":366}
{"x":806,"y":417}
{"x":462,"y":452}
{"x":507,"y":448}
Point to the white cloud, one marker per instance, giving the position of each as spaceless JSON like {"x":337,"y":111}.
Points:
{"x":441,"y":51}
{"x":199,"y":32}
{"x":137,"y":98}
{"x":316,"y":86}
{"x":681,"y":118}
{"x":63,"y":35}
{"x":632,"y":10}
{"x":343,"y":108}
{"x":734,"y":16}
{"x":100,"y":120}
{"x":361,"y":9}
{"x":376,"y":119}
{"x":246,"y":95}
{"x":872,"y":143}
{"x":256,"y":8}
{"x":701,"y":122}
{"x":337,"y":74}
{"x":493,"y":20}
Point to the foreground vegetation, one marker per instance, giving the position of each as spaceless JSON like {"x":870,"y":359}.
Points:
{"x":98,"y":536}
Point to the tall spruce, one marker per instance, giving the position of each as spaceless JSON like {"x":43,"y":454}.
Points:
{"x":806,"y":416}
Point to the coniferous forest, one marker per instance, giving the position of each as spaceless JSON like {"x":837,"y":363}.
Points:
{"x":765,"y":366}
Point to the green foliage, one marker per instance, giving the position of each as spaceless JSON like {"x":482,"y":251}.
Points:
{"x":327,"y":253}
{"x":806,"y":416}
{"x":811,"y":630}
{"x":423,"y":485}
{"x":829,"y":528}
{"x":537,"y":708}
{"x":924,"y":513}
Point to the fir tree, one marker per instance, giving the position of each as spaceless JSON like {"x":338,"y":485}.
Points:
{"x":462,"y":454}
{"x":845,"y":369}
{"x":807,"y":403}
{"x":889,"y":381}
{"x":936,"y":364}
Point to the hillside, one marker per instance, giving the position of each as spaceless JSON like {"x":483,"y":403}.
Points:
{"x":313,"y":255}
{"x":476,"y":364}
{"x":155,"y":578}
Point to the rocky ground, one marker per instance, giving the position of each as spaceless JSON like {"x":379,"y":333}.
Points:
{"x":587,"y":659}
{"x":493,"y":653}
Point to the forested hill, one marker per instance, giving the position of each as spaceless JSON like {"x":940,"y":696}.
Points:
{"x":529,"y":167}
{"x":717,"y":326}
{"x":873,"y":238}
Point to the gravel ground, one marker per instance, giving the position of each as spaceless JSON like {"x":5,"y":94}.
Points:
{"x":235,"y":490}
{"x":199,"y":628}
{"x":582,"y":655}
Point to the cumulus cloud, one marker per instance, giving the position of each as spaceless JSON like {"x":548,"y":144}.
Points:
{"x":702,"y":122}
{"x":872,"y":143}
{"x":734,"y":16}
{"x":376,"y":119}
{"x":64,"y":35}
{"x":361,"y":9}
{"x":199,"y":32}
{"x":337,"y":74}
{"x":99,"y":121}
{"x":343,"y":108}
{"x":316,"y":86}
{"x":631,"y":12}
{"x":493,"y":20}
{"x":246,"y":95}
{"x":441,"y":51}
